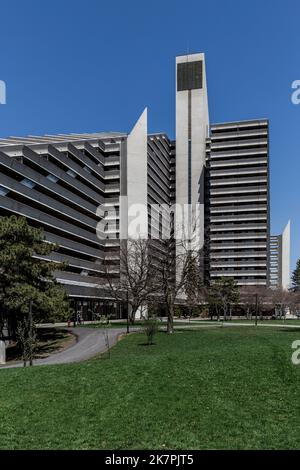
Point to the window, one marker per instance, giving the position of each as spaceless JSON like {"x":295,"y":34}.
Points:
{"x":189,"y":75}
{"x":52,"y":178}
{"x":86,"y":168}
{"x":71,"y":173}
{"x":3,"y":191}
{"x":28,"y":183}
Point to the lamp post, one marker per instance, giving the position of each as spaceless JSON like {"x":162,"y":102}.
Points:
{"x":127,"y":298}
{"x":256,"y":308}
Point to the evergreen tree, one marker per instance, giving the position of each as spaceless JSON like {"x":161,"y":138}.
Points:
{"x":28,"y":287}
{"x":296,"y":277}
{"x":223,"y":294}
{"x":194,"y":288}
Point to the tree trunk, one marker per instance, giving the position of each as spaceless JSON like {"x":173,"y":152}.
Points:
{"x":31,"y":338}
{"x":170,"y":325}
{"x":132,"y":314}
{"x":225,"y":312}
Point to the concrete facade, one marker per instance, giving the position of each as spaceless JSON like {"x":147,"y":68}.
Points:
{"x":280,"y":259}
{"x":137,"y":212}
{"x":238,"y":215}
{"x":84,"y":191}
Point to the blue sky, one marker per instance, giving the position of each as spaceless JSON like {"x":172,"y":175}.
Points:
{"x":93,"y":65}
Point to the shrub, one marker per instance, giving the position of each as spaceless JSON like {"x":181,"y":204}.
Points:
{"x":150,"y":329}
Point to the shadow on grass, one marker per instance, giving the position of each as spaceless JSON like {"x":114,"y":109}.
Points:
{"x":50,"y":340}
{"x":290,"y":330}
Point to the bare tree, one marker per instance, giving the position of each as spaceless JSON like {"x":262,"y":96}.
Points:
{"x":175,"y":267}
{"x":284,"y":301}
{"x":223,"y":294}
{"x":136,"y":281}
{"x":194,"y":287}
{"x":248,"y":301}
{"x":295,"y":301}
{"x":255,"y":300}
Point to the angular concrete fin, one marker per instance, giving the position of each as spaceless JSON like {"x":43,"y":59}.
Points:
{"x":137,"y":179}
{"x":286,"y":255}
{"x":287,"y":228}
{"x":141,"y":126}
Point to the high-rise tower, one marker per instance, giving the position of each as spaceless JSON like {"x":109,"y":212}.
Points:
{"x":192,"y":121}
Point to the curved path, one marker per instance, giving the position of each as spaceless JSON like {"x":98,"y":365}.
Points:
{"x":92,"y":341}
{"x":89,"y":343}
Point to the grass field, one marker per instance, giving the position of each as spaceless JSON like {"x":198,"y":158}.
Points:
{"x":187,"y":322}
{"x":219,"y":388}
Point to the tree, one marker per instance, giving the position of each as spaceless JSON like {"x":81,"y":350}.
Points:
{"x":284,"y":301}
{"x":150,"y":329}
{"x":194,"y":288}
{"x":248,"y":300}
{"x":176,"y":276}
{"x":255,"y":299}
{"x":214,"y":301}
{"x":223,"y":293}
{"x":136,"y":281}
{"x":26,"y":336}
{"x":29,"y":291}
{"x":296,"y":277}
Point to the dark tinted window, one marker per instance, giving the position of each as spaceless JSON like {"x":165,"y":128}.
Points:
{"x":189,"y":75}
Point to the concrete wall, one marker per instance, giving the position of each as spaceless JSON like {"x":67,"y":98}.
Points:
{"x":285,"y":256}
{"x":137,"y":179}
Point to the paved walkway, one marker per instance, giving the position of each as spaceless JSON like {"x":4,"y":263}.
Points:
{"x":90,"y":342}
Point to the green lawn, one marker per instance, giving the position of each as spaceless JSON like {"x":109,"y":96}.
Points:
{"x":219,"y":388}
{"x":136,"y":324}
{"x":288,"y":321}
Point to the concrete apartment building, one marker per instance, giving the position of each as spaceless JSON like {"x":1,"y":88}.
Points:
{"x":238,"y":208}
{"x":70,"y":185}
{"x":81,"y":188}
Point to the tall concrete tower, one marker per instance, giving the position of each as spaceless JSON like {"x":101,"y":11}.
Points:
{"x":192,"y":126}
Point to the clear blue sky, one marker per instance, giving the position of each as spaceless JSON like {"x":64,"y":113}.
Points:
{"x":86,"y":66}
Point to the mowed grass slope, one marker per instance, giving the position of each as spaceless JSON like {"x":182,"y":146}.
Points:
{"x":220,"y":388}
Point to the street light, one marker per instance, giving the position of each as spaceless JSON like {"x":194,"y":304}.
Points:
{"x":256,"y":308}
{"x":127,"y":298}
